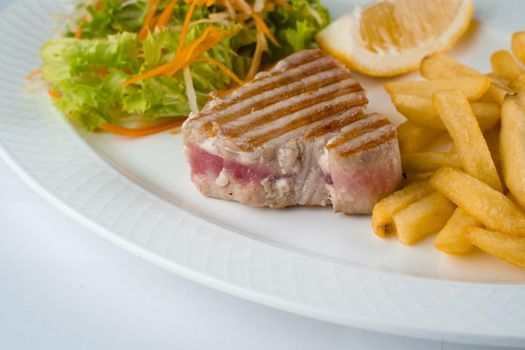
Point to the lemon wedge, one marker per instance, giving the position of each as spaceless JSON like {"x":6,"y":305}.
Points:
{"x":391,"y":37}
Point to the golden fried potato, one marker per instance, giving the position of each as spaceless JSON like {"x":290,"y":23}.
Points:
{"x":485,"y":204}
{"x":424,"y":162}
{"x":506,"y":247}
{"x":384,"y":210}
{"x":464,"y":130}
{"x":518,"y":46}
{"x":422,"y":218}
{"x":451,"y":239}
{"x":512,"y":145}
{"x":492,"y":139}
{"x":499,"y":88}
{"x":420,"y":111}
{"x":413,"y":138}
{"x":504,"y":65}
{"x":473,"y":87}
{"x":518,"y":84}
{"x":515,"y":201}
{"x":440,"y":66}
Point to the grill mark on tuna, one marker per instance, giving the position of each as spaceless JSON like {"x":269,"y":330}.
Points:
{"x":297,"y":59}
{"x":268,"y":98}
{"x":288,"y":109}
{"x":272,"y":81}
{"x":356,"y":132}
{"x":301,"y":131}
{"x":321,"y":111}
{"x":379,"y":138}
{"x":334,"y":125}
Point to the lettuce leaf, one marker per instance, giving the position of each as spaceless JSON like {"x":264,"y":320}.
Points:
{"x":296,"y":27}
{"x":89,"y":73}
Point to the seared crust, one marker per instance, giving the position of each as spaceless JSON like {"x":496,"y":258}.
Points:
{"x":299,"y":95}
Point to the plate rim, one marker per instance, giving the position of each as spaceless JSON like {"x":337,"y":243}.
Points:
{"x":390,"y":317}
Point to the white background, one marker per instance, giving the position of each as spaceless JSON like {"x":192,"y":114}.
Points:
{"x":62,"y":287}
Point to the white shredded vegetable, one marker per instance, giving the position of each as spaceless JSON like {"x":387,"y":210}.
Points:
{"x":230,"y":9}
{"x":258,"y":6}
{"x":190,"y":91}
{"x":245,"y":6}
{"x":314,"y":14}
{"x":260,"y":47}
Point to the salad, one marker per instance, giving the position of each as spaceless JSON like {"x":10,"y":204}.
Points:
{"x":139,"y":67}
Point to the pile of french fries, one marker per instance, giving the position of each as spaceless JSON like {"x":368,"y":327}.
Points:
{"x":473,"y":195}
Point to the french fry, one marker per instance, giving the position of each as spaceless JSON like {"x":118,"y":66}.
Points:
{"x":492,"y":139}
{"x":384,"y":210}
{"x":496,"y":93}
{"x":504,"y":65}
{"x":512,"y":145}
{"x":485,"y":204}
{"x":413,"y":178}
{"x":518,"y":46}
{"x":420,"y":111}
{"x":424,"y":162}
{"x":506,"y":247}
{"x":499,"y":88}
{"x":518,"y":84}
{"x":451,"y":239}
{"x":515,"y":201}
{"x":464,"y":130}
{"x":487,"y":113}
{"x":440,"y":66}
{"x":422,"y":218}
{"x":413,"y":138}
{"x":473,"y":87}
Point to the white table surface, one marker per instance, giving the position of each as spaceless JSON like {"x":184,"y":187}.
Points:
{"x":63,"y":287}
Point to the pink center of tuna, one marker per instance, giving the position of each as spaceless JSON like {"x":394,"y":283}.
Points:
{"x":203,"y":162}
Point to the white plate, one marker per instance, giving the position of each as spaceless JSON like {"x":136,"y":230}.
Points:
{"x":137,"y":193}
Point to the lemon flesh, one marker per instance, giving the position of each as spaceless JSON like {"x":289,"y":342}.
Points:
{"x":391,"y":37}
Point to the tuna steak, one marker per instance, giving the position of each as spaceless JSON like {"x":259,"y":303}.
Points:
{"x":295,"y":135}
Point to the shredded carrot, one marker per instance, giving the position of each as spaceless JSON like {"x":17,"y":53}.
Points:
{"x":207,"y":3}
{"x":55,"y":94}
{"x":186,"y":54}
{"x":185,"y":27}
{"x":78,"y":33}
{"x":263,"y":28}
{"x":34,"y":74}
{"x":149,"y":74}
{"x":99,"y":5}
{"x":166,"y":14}
{"x":209,"y":38}
{"x":222,"y":67}
{"x":206,"y":41}
{"x":144,"y":131}
{"x":148,"y":22}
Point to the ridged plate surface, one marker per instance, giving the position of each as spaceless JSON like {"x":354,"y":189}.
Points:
{"x":90,"y":178}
